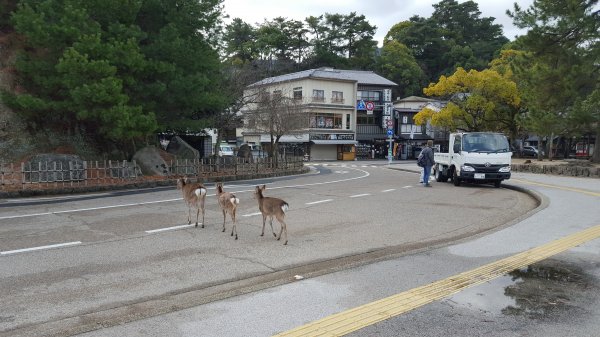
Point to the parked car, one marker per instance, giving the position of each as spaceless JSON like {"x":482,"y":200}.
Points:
{"x":530,"y":151}
{"x":225,"y":150}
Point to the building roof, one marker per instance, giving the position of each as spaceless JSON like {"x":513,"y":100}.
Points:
{"x":360,"y":76}
{"x":414,"y":99}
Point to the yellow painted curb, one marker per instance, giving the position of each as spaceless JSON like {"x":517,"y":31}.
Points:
{"x":357,"y":318}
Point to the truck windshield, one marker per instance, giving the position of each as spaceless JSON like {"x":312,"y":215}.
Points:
{"x":485,"y":142}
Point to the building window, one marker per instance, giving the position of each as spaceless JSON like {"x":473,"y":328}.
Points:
{"x":325,"y":121}
{"x":348,"y":122}
{"x":318,"y":95}
{"x":276,"y":94}
{"x":298,"y":93}
{"x":408,"y":128}
{"x":337,"y":97}
{"x":373,"y":96}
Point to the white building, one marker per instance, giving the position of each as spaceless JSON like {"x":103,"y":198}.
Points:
{"x":333,"y":101}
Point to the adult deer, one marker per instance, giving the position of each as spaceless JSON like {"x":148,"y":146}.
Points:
{"x":194,"y":195}
{"x":270,"y":207}
{"x":228,"y":203}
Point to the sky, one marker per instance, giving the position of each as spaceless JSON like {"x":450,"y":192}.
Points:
{"x":381,"y":13}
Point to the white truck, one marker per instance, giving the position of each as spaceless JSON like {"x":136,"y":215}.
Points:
{"x":480,"y":157}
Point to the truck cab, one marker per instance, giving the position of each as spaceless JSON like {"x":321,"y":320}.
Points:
{"x":479,"y":157}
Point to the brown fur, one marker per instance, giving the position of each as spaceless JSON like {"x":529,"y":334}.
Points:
{"x":270,"y":207}
{"x":193,"y":198}
{"x":228,"y":203}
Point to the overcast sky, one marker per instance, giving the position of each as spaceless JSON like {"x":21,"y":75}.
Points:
{"x":381,"y":13}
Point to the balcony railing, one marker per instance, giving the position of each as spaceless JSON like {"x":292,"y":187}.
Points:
{"x":318,"y":99}
{"x":337,"y":100}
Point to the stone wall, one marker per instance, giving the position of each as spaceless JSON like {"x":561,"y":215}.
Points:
{"x":565,"y":169}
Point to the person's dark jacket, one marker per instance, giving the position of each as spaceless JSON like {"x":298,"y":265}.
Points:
{"x":427,"y":153}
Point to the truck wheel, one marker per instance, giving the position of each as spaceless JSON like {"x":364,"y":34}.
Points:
{"x":455,"y":179}
{"x":497,"y":183}
{"x":439,"y":176}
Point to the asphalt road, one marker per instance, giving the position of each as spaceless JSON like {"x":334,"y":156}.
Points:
{"x":124,"y":258}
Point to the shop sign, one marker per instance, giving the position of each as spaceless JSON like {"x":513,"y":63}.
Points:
{"x":387,"y":95}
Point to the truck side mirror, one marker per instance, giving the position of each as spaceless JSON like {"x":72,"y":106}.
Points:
{"x":456,"y":148}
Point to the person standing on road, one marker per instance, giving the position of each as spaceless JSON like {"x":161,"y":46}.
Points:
{"x":427,"y":153}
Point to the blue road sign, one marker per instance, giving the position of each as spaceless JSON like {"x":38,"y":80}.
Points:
{"x":390,"y":132}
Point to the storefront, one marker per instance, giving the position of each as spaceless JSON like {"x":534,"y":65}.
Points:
{"x":332,"y":146}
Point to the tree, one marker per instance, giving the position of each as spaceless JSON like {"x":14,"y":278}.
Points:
{"x":276,"y":114}
{"x":182,"y":79}
{"x":117,"y":70}
{"x":560,"y":70}
{"x":77,"y":70}
{"x":240,"y":41}
{"x":399,"y":65}
{"x":478,"y":101}
{"x":454,"y":36}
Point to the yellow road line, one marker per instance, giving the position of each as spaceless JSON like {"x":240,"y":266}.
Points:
{"x":357,"y":318}
{"x":595,"y":194}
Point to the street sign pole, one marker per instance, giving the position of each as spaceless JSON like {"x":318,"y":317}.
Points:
{"x":390,"y":133}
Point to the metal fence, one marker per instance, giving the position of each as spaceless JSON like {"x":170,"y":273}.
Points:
{"x":210,"y":168}
{"x":57,"y":174}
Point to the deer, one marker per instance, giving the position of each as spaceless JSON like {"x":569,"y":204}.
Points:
{"x":272,"y":207}
{"x":194,"y":195}
{"x":228,"y":203}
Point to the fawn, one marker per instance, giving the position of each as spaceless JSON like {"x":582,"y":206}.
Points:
{"x":270,"y":207}
{"x":194,"y":195}
{"x":228,"y":203}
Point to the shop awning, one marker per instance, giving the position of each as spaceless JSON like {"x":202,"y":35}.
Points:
{"x":333,"y":142}
{"x":302,"y":138}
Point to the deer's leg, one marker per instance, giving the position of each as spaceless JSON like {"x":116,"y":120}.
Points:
{"x":284,"y":229}
{"x":197,"y":216}
{"x":263,"y":228}
{"x":223,"y":220}
{"x":189,"y":215}
{"x":272,"y":230}
{"x":234,"y":226}
{"x":202,"y":206}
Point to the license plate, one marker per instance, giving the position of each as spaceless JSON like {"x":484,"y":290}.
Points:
{"x":479,"y":175}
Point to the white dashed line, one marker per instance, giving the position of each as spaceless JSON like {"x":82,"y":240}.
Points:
{"x":407,"y":186}
{"x":318,"y":202}
{"x":58,"y":245}
{"x":252,"y":214}
{"x":360,"y":195}
{"x":390,"y":190}
{"x":169,"y":228}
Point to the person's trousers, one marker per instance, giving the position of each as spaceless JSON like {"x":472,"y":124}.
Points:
{"x":426,"y":174}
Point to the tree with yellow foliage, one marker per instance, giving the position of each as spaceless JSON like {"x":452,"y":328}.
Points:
{"x":477,"y":101}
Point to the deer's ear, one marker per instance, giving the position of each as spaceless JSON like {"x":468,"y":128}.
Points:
{"x":264,"y":187}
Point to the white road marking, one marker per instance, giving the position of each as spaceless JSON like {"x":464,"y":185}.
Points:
{"x":407,"y":186}
{"x":390,"y":190}
{"x":169,"y":228}
{"x":252,"y":214}
{"x":365,"y":174}
{"x":318,"y":202}
{"x":88,"y":209}
{"x":58,"y":245}
{"x":360,"y":195}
